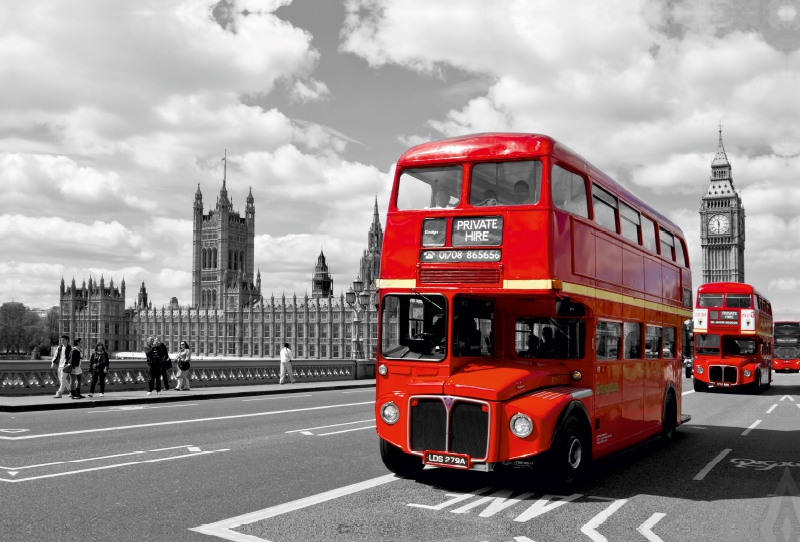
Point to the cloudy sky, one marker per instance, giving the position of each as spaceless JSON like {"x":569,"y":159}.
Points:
{"x":111,"y":113}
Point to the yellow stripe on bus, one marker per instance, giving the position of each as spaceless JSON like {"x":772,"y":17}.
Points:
{"x":396,"y":283}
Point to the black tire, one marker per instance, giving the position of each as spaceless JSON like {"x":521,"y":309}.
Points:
{"x":699,"y":386}
{"x":670,"y":422}
{"x":756,"y":386}
{"x":571,"y":455}
{"x":400,"y":463}
{"x":688,"y":372}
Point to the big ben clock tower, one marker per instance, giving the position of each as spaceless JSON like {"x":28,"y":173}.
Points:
{"x":722,"y":224}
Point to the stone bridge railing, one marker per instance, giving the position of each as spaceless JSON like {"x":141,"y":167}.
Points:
{"x":36,"y":377}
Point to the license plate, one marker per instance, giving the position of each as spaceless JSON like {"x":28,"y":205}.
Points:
{"x":723,"y":384}
{"x":444,"y":459}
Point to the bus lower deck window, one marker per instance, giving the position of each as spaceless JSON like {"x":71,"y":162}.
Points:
{"x":557,"y":338}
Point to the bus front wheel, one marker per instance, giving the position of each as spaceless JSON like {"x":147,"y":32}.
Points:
{"x":699,"y":385}
{"x":398,"y":462}
{"x":572,"y":454}
{"x":669,"y":423}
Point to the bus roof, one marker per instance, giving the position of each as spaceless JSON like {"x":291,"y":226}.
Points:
{"x":727,"y":288}
{"x":511,"y":146}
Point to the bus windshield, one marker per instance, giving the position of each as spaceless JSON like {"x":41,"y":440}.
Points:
{"x":414,"y":327}
{"x":740,"y":347}
{"x":429,"y":188}
{"x":706,"y":344}
{"x":559,"y":338}
{"x":787,"y":352}
{"x":710,"y":300}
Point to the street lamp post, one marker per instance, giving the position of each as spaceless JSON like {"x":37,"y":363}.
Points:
{"x":357,"y":299}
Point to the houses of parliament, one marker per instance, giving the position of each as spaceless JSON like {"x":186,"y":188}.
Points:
{"x":228,"y":315}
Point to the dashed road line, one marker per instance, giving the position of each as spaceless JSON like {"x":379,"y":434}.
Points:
{"x":136,"y":407}
{"x":346,"y":431}
{"x":645,"y":528}
{"x":178,"y":422}
{"x":272,"y":398}
{"x":702,"y":474}
{"x":687,"y":392}
{"x":746,"y":431}
{"x":590,"y":528}
{"x":326,"y":426}
{"x":773,"y":408}
{"x":360,"y":391}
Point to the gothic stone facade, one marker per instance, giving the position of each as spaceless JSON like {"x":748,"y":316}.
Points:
{"x":228,"y":315}
{"x":722,"y":224}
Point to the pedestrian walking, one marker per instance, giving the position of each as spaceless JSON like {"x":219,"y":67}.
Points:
{"x":61,"y":358}
{"x":182,"y":361}
{"x":153,"y":366}
{"x":166,"y":363}
{"x":286,"y":363}
{"x":76,"y":377}
{"x":98,"y":367}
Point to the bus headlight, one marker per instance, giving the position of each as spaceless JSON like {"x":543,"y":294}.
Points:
{"x":747,"y":373}
{"x":390,"y":413}
{"x":382,"y":370}
{"x":521,"y":425}
{"x":699,"y":370}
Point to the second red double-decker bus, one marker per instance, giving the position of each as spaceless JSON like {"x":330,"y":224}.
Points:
{"x":530,"y":310}
{"x":787,"y":347}
{"x":732,"y":337}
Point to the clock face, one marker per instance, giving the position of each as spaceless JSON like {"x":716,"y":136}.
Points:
{"x":719,"y":224}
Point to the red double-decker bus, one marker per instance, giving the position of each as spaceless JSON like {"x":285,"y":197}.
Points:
{"x":732,"y":337}
{"x":787,"y":347}
{"x":530,"y":310}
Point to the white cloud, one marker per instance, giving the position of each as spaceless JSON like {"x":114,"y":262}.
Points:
{"x":309,"y":91}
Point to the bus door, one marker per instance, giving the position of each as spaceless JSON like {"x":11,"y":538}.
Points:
{"x":633,"y":377}
{"x":658,"y":344}
{"x":610,"y":426}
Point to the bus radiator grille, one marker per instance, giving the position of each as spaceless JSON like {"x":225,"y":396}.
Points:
{"x":723,"y":373}
{"x":428,"y":425}
{"x":715,"y":373}
{"x":462,"y":276}
{"x":730,"y":374}
{"x":469,"y":427}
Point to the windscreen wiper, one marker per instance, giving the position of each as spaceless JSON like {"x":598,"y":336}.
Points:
{"x":426,"y":298}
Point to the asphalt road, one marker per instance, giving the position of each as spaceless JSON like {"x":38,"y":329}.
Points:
{"x":305,"y":467}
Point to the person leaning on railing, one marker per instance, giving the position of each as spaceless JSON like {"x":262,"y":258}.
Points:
{"x":98,"y":366}
{"x":182,"y":361}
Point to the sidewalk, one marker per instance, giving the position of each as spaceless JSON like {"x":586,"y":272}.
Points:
{"x":31,"y":403}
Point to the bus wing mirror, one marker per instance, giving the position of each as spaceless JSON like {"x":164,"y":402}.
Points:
{"x":565,"y":307}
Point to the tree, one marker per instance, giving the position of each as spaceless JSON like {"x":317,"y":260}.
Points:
{"x":21,"y":329}
{"x":51,"y":323}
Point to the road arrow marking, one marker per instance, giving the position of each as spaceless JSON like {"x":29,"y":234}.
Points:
{"x":13,"y":472}
{"x":590,"y":528}
{"x":645,"y":527}
{"x":789,"y":397}
{"x":543,"y":505}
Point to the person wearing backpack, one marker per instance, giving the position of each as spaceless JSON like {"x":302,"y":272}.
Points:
{"x":182,"y":360}
{"x":60,"y":359}
{"x":76,"y":376}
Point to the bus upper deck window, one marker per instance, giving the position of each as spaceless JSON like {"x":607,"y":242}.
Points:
{"x":568,"y":191}
{"x":605,"y":208}
{"x":506,"y":183}
{"x":429,"y":188}
{"x":667,"y":244}
{"x":709,"y":300}
{"x":649,"y":234}
{"x":737,"y":301}
{"x":630,"y":222}
{"x":679,"y":257}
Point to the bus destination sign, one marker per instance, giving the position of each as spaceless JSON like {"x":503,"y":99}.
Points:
{"x":724,"y":317}
{"x":450,"y":256}
{"x":477,"y":231}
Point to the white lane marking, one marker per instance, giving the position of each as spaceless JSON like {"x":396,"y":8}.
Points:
{"x":590,"y":528}
{"x":34,"y":466}
{"x":694,"y":426}
{"x":223,"y":528}
{"x":326,"y":426}
{"x":193,"y":449}
{"x":279,"y":397}
{"x":773,"y":408}
{"x":798,"y":406}
{"x":105,"y":457}
{"x":746,"y":431}
{"x":702,"y":474}
{"x":787,"y":397}
{"x":645,"y":527}
{"x":543,"y":505}
{"x":359,"y":391}
{"x":178,"y":422}
{"x":125,"y":408}
{"x":17,"y":480}
{"x":457,"y":498}
{"x":687,"y":392}
{"x":12,"y":473}
{"x":345,"y":431}
{"x":171,"y":448}
{"x":13,"y":430}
